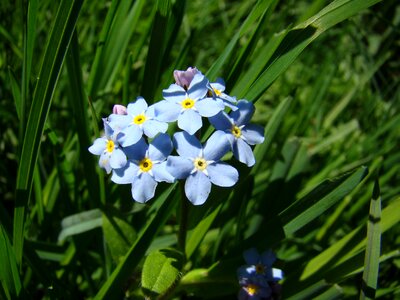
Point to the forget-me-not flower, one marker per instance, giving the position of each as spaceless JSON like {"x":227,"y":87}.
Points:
{"x":146,"y":167}
{"x":138,"y":120}
{"x":111,"y":154}
{"x":201,"y":166}
{"x":188,"y":106}
{"x":253,"y":288}
{"x":239,"y":132}
{"x":217,"y":90}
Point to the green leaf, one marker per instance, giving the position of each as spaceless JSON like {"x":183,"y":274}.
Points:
{"x":161,"y":270}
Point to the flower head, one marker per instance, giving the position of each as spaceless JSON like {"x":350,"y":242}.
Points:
{"x":111,"y":154}
{"x":188,"y":106}
{"x":184,"y":78}
{"x":201,"y":166}
{"x":146,"y":167}
{"x":239,"y":132}
{"x":139,"y":120}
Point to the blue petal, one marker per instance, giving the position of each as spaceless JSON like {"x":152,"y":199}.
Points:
{"x":161,"y":174}
{"x":104,"y":162}
{"x":209,"y":107}
{"x":216,"y":146}
{"x":119,"y":122}
{"x":117,"y":159}
{"x":179,"y":167}
{"x":166,"y":111}
{"x":243,"y":152}
{"x":143,"y":188}
{"x":221,"y":121}
{"x":107,"y":128}
{"x":138,"y":107}
{"x":268,"y":258}
{"x":98,"y":146}
{"x":198,"y":87}
{"x":277,"y":274}
{"x":152,"y":127}
{"x":222,"y":174}
{"x":126,"y":174}
{"x":187,"y":145}
{"x":160,"y":147}
{"x":197,"y":188}
{"x":243,"y":114}
{"x":253,"y":134}
{"x":137,"y":151}
{"x":174,"y":94}
{"x":251,"y":256}
{"x":219,"y":85}
{"x":130,"y":135}
{"x":190,"y":121}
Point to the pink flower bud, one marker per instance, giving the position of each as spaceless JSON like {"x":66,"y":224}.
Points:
{"x":184,"y":78}
{"x":119,"y":109}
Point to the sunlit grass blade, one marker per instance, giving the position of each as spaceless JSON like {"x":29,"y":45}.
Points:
{"x":60,"y":36}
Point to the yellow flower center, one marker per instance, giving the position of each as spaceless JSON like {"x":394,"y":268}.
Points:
{"x":187,"y":103}
{"x":260,"y":269}
{"x":139,"y":119}
{"x":252,"y":289}
{"x":217,"y":92}
{"x":236,"y":131}
{"x":145,"y":164}
{"x":200,"y":164}
{"x":110,"y":146}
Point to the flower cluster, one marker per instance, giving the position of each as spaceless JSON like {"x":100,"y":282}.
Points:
{"x":125,"y":150}
{"x":258,"y":280}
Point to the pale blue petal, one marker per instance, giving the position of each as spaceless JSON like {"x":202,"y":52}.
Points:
{"x":243,"y":114}
{"x":98,"y":146}
{"x":143,"y":188}
{"x":222,"y":174}
{"x":160,"y":147}
{"x":107,"y":128}
{"x":117,"y":159}
{"x":198,"y":87}
{"x":138,"y":107}
{"x":161,"y":174}
{"x":190,"y":121}
{"x":216,"y":146}
{"x":219,"y":85}
{"x":243,"y":152}
{"x":209,"y":107}
{"x":221,"y":121}
{"x":152,"y":127}
{"x":197,"y":188}
{"x":253,"y":134}
{"x":137,"y":151}
{"x":174,"y":94}
{"x":268,"y":258}
{"x":104,"y":162}
{"x":179,"y":167}
{"x":125,"y":175}
{"x":130,"y":135}
{"x":251,"y":256}
{"x":166,"y":111}
{"x":187,"y":145}
{"x":119,"y":122}
{"x":277,"y":274}
{"x":150,"y":112}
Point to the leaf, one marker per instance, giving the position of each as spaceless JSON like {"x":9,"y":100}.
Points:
{"x":161,"y":270}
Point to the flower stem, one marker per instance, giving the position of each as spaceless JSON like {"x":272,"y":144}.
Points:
{"x":183,"y":214}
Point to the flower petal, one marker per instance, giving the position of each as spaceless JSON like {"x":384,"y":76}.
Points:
{"x":137,"y":151}
{"x":166,"y":111}
{"x":243,"y":114}
{"x":104,"y":162}
{"x":190,"y":121}
{"x":137,"y":107}
{"x":161,"y":174}
{"x":268,"y":258}
{"x":126,"y":174}
{"x":222,"y":174}
{"x":152,"y":127}
{"x":143,"y":188}
{"x":216,"y":146}
{"x":98,"y":146}
{"x":198,"y":87}
{"x":187,"y":145}
{"x":130,"y":135}
{"x":221,"y":121}
{"x":174,"y":94}
{"x":160,"y":147}
{"x":119,"y":122}
{"x":209,"y":107}
{"x":117,"y":159}
{"x":179,"y":167}
{"x":243,"y":152}
{"x":251,"y":256}
{"x":254,"y":134}
{"x":197,"y":188}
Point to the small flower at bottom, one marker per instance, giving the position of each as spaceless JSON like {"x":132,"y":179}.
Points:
{"x":111,"y":154}
{"x":253,"y":288}
{"x":146,"y":167}
{"x":201,"y":166}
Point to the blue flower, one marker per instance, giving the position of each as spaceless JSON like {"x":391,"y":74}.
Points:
{"x":239,"y":132}
{"x":217,"y":89}
{"x":201,"y":166}
{"x":138,"y":120}
{"x":260,"y":266}
{"x":188,"y":106}
{"x":254,"y":288}
{"x":111,"y":154}
{"x":146,"y":167}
